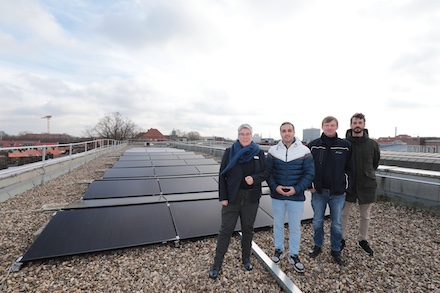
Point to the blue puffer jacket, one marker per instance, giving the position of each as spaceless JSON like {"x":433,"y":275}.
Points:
{"x":291,"y":166}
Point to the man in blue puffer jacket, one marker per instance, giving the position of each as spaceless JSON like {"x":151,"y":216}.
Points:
{"x":291,"y":169}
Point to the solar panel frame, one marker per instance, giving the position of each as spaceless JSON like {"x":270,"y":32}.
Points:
{"x":118,"y":201}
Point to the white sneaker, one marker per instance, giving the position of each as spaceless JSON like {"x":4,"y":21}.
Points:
{"x":296,"y":263}
{"x":277,"y":256}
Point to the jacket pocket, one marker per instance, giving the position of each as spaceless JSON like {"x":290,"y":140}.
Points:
{"x":370,"y":174}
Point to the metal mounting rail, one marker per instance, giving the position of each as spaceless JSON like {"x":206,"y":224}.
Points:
{"x":282,"y":279}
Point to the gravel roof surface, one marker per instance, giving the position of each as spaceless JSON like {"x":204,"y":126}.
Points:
{"x":406,"y":259}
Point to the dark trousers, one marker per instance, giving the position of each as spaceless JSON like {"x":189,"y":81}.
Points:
{"x":247,"y":211}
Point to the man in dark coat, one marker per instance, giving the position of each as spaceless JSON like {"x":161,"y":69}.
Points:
{"x":367,"y":156}
{"x":334,"y":171}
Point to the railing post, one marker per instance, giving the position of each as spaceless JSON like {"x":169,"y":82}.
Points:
{"x":43,"y":153}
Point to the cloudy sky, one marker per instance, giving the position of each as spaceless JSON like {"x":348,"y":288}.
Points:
{"x":210,"y":65}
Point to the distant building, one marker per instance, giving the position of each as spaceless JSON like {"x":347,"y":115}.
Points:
{"x":256,"y":138}
{"x":406,"y":143}
{"x":152,"y":135}
{"x":48,"y":137}
{"x":310,"y":134}
{"x":267,"y":141}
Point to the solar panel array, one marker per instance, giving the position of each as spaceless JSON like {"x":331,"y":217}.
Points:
{"x":150,"y":195}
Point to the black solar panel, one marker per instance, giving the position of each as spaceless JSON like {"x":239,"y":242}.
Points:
{"x":266,"y":204}
{"x":185,"y":156}
{"x":122,"y":188}
{"x":262,"y":220}
{"x":196,"y":218}
{"x":89,"y":230}
{"x":193,"y":162}
{"x":176,"y":170}
{"x":208,"y":169}
{"x":187,"y":185}
{"x":129,"y":172}
{"x":191,"y":196}
{"x":135,"y":158}
{"x":176,"y":162}
{"x":164,"y":157}
{"x":150,"y":195}
{"x":132,"y":164}
{"x":152,"y":151}
{"x":117,"y":201}
{"x":207,"y":219}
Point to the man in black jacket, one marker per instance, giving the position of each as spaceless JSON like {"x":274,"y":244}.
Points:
{"x":334,"y":171}
{"x":367,"y":156}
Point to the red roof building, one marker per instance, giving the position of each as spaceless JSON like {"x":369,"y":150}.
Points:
{"x":152,"y":135}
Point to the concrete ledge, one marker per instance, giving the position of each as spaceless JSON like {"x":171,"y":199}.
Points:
{"x":16,"y":180}
{"x":413,"y":188}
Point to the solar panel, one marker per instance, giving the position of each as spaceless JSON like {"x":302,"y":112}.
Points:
{"x":185,"y":156}
{"x":118,"y":201}
{"x":168,"y":162}
{"x":129,"y":172}
{"x":191,"y":196}
{"x":132,"y":164}
{"x":190,"y":224}
{"x":176,"y":170}
{"x":154,"y":150}
{"x":187,"y":185}
{"x":207,"y":220}
{"x":164,"y":157}
{"x":89,"y":230}
{"x":207,"y":169}
{"x":135,"y":158}
{"x":148,"y":196}
{"x":122,"y":188}
{"x":200,"y":162}
{"x":266,"y":204}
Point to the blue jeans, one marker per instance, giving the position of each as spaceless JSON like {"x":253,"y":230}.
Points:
{"x":319,"y":205}
{"x":294,"y":211}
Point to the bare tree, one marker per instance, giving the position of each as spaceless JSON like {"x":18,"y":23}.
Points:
{"x":113,"y":126}
{"x":193,"y":135}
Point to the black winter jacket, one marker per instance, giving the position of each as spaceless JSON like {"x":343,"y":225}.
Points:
{"x":367,"y":156}
{"x":229,"y":183}
{"x":334,"y":163}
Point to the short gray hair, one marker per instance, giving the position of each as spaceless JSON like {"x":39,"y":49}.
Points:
{"x":246,"y":126}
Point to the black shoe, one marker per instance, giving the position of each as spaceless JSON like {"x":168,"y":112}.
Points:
{"x":315,"y":251}
{"x":364,"y":245}
{"x":247,"y":265}
{"x":338,"y":258}
{"x":213,"y":273}
{"x":342,"y":244}
{"x":296,"y":263}
{"x":277,"y":256}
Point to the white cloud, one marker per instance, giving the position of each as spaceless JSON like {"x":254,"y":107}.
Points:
{"x":209,"y":66}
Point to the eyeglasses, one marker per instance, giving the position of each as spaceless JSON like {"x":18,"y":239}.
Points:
{"x":244,"y":134}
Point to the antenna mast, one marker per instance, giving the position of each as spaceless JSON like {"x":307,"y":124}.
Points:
{"x":48,"y":122}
